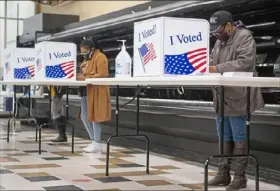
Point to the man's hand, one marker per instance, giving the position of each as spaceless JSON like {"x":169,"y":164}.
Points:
{"x":213,"y":69}
{"x":80,"y":78}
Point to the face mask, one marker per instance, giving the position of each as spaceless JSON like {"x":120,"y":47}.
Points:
{"x":222,"y":36}
{"x":87,"y":55}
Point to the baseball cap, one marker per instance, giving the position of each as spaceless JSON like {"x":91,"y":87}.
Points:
{"x":218,"y":19}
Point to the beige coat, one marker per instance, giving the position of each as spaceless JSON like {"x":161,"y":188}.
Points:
{"x":98,"y":97}
{"x":238,"y":54}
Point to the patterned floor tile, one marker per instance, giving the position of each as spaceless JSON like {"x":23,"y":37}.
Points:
{"x":123,"y":174}
{"x":5,"y":171}
{"x":55,"y":158}
{"x":59,"y":169}
{"x":82,"y":142}
{"x":177,"y":159}
{"x":104,"y":166}
{"x":210,"y":173}
{"x":31,"y":166}
{"x":5,"y":150}
{"x":46,"y":133}
{"x":32,"y":141}
{"x":113,"y":189}
{"x":59,"y":144}
{"x":132,"y":152}
{"x":193,"y":186}
{"x":18,"y":154}
{"x":66,"y":187}
{"x":166,"y":167}
{"x":67,"y":153}
{"x":35,"y":174}
{"x":41,"y":178}
{"x":115,"y":161}
{"x":112,"y":179}
{"x":34,"y":151}
{"x":120,"y":149}
{"x":8,"y":159}
{"x":120,"y":154}
{"x":82,"y":180}
{"x":131,"y":165}
{"x":154,"y":182}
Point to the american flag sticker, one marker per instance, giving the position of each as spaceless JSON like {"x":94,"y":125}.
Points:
{"x":147,"y":54}
{"x":24,"y":73}
{"x":64,"y":70}
{"x":8,"y":67}
{"x":192,"y":62}
{"x":39,"y":64}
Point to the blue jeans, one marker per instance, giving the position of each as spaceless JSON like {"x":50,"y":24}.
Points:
{"x":234,"y":128}
{"x":93,"y":129}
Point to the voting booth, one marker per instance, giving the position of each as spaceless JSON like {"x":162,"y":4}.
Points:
{"x":19,"y":64}
{"x":56,"y":61}
{"x":167,"y":46}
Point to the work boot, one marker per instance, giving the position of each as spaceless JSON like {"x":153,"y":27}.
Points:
{"x":239,"y":181}
{"x":223,"y":177}
{"x":61,"y":128}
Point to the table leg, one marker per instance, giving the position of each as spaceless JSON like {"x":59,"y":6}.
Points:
{"x":29,"y":101}
{"x":248,"y":125}
{"x":40,"y":139}
{"x":36,"y":136}
{"x":13,"y":116}
{"x":221,"y":141}
{"x":137,"y":135}
{"x":117,"y":131}
{"x":67,"y":119}
{"x":8,"y":129}
{"x":137,"y":112}
{"x":50,"y":107}
{"x":222,"y":118}
{"x":117,"y":110}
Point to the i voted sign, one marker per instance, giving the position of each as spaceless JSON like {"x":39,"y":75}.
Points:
{"x":169,"y":46}
{"x":26,"y":59}
{"x":147,"y":33}
{"x":183,"y":38}
{"x":59,"y":55}
{"x":19,"y":64}
{"x":56,"y":60}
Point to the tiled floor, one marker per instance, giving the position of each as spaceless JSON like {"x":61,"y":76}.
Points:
{"x":22,"y":168}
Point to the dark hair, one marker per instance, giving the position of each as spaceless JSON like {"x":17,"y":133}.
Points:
{"x":87,"y":43}
{"x":90,"y":44}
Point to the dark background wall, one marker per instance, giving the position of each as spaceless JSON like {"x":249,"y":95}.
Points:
{"x":188,"y":133}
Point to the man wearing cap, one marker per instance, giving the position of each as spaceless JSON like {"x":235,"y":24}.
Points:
{"x":234,"y":51}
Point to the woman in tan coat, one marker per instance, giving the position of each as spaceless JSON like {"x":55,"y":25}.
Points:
{"x":96,"y":103}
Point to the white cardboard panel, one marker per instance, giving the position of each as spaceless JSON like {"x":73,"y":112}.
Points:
{"x":19,"y":64}
{"x":56,"y":61}
{"x":169,"y":46}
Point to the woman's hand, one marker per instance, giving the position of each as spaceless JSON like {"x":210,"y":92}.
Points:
{"x":80,"y":78}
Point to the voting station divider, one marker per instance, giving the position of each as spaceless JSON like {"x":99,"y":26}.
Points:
{"x":161,"y":48}
{"x":164,"y":55}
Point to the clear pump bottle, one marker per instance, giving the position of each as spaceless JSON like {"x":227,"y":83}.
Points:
{"x":123,"y":63}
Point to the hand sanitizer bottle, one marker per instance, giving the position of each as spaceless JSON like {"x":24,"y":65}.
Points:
{"x":123,"y":63}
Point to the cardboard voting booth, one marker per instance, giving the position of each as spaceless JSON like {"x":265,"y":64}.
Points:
{"x":55,"y":61}
{"x":19,"y":64}
{"x":168,"y":46}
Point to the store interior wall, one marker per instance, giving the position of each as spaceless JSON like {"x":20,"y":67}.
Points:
{"x":12,"y":14}
{"x":88,"y":9}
